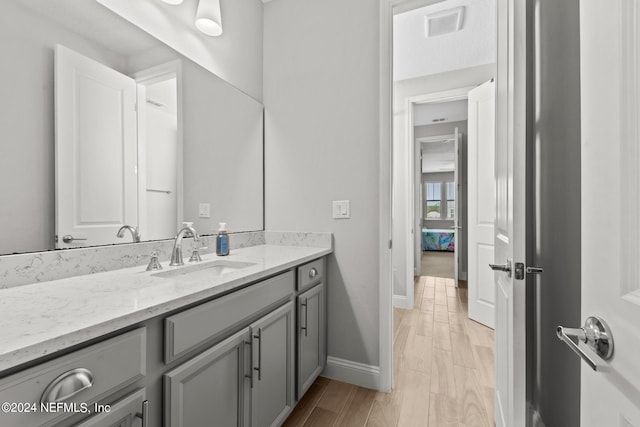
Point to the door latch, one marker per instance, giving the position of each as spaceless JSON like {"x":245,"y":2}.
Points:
{"x":521,"y":270}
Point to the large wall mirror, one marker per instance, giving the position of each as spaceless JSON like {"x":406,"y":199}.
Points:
{"x":102,"y":126}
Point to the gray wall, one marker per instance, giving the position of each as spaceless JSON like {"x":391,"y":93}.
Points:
{"x":447,"y":129}
{"x":321,"y":85}
{"x":556,"y":393}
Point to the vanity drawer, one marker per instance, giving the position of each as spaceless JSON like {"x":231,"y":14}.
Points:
{"x":310,"y":274}
{"x":113,"y":364}
{"x":187,"y":330}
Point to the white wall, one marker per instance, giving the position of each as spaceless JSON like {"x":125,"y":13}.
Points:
{"x":235,"y":56}
{"x":401,"y":186}
{"x":321,"y":84}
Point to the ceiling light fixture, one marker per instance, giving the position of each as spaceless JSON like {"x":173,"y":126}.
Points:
{"x":174,"y":2}
{"x":208,"y":17}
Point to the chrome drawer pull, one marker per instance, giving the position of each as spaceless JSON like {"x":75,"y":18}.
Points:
{"x":313,"y":272}
{"x":144,"y":415}
{"x":306,"y":319}
{"x":259,"y":368}
{"x":67,"y":385}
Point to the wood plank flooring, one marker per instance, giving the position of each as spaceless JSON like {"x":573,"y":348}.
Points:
{"x":443,"y":371}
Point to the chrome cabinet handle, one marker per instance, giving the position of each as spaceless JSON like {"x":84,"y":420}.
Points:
{"x":259,"y":368}
{"x":313,"y":272}
{"x":144,"y":415}
{"x":502,"y":267}
{"x":69,"y":238}
{"x":306,"y":319}
{"x":67,"y":385}
{"x":250,"y":375}
{"x":595,"y":333}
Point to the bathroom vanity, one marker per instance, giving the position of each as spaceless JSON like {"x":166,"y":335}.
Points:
{"x":230,"y":341}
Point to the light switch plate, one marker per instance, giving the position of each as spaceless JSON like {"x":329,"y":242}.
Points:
{"x":204,"y":211}
{"x":341,"y":209}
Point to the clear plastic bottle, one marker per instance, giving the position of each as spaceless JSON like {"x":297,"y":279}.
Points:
{"x":222,"y":241}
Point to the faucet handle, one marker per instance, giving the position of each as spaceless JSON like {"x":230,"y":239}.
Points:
{"x":195,"y":255}
{"x":154,"y":263}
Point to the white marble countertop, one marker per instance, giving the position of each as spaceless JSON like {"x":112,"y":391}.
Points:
{"x":46,"y":317}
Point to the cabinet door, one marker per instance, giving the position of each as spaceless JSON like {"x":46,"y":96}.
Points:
{"x":273,"y":367}
{"x":127,"y":412}
{"x":311,"y":337}
{"x":211,"y":388}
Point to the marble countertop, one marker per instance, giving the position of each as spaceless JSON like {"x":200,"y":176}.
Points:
{"x":46,"y":317}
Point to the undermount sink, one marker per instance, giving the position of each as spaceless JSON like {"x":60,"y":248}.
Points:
{"x":214,"y":268}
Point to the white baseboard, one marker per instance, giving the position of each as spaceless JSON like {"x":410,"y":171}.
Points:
{"x":352,"y":372}
{"x":400,"y":301}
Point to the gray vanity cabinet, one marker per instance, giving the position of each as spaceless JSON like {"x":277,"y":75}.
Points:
{"x":212,"y":388}
{"x":311,"y":337}
{"x":125,"y":412}
{"x":272,"y":395}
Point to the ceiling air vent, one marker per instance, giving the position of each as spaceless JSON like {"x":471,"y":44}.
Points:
{"x":443,"y":22}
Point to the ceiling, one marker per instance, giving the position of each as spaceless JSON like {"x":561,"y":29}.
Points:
{"x":414,"y":55}
{"x":432,"y":113}
{"x":438,"y":153}
{"x":94,"y":22}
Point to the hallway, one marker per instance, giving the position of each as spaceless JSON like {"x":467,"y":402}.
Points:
{"x":444,"y":373}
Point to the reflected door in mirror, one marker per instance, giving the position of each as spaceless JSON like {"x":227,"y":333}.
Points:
{"x":96,"y":153}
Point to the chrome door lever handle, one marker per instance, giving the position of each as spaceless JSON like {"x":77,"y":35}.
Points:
{"x":502,"y":267}
{"x":595,"y":333}
{"x":70,"y":239}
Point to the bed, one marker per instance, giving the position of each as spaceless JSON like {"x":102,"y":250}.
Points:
{"x":438,"y":240}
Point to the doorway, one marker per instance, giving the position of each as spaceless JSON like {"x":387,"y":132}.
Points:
{"x":159,"y":150}
{"x":436,"y":348}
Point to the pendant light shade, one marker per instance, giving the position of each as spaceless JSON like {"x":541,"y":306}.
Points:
{"x":208,"y":17}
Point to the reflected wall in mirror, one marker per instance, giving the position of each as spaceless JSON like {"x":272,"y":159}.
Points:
{"x":196,"y":142}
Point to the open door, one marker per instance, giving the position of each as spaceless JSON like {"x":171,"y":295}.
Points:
{"x":510,"y":237}
{"x":610,"y":108}
{"x":481,"y":205}
{"x":96,"y":153}
{"x":456,"y":215}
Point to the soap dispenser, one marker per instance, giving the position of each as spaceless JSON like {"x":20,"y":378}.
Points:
{"x":222,"y":241}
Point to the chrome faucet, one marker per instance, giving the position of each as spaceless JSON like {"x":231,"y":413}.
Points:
{"x":176,"y":253}
{"x":133,"y":230}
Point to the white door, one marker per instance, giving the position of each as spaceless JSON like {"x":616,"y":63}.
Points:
{"x":456,"y":222}
{"x":481,"y":202}
{"x":511,"y":215}
{"x":610,"y":105}
{"x":96,"y":158}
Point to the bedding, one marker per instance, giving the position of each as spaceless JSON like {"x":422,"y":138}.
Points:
{"x":438,"y":240}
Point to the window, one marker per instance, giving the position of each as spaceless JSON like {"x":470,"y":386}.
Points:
{"x":433,"y":200}
{"x":451,"y":200}
{"x":440,"y":200}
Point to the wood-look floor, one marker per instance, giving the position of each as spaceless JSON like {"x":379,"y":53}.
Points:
{"x":443,"y":371}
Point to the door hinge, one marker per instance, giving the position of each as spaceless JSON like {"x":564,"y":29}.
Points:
{"x":390,"y":244}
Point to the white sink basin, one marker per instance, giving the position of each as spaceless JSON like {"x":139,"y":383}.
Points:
{"x":214,"y":268}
